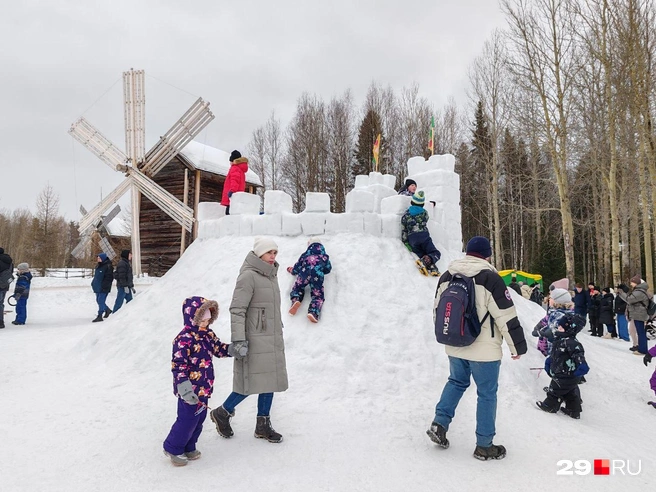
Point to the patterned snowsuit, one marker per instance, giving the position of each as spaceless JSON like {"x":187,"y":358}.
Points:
{"x":310,"y":270}
{"x":193,"y":349}
{"x":415,"y":233}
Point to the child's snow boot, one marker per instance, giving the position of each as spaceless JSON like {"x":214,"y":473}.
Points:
{"x":176,"y":460}
{"x":437,"y":434}
{"x":295,"y":305}
{"x":570,"y":413}
{"x":545,"y":408}
{"x":492,"y":452}
{"x":312,"y":318}
{"x":263,"y":430}
{"x":221,"y":419}
{"x":192,"y":455}
{"x":98,"y":318}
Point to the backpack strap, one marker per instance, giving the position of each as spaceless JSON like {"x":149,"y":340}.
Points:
{"x":491,"y":322}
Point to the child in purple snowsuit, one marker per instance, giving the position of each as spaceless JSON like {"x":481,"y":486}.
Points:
{"x":310,"y":270}
{"x":651,"y":353}
{"x":193,"y":376}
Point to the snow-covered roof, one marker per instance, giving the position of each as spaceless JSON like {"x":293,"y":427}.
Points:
{"x":206,"y":158}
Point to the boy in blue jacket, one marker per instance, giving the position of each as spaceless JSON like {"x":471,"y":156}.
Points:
{"x":22,"y":293}
{"x":415,"y":235}
{"x":566,"y":364}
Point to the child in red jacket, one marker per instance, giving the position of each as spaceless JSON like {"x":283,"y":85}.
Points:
{"x":236,"y":178}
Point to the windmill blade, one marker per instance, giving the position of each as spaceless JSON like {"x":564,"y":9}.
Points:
{"x":91,"y":219}
{"x":80,"y":250}
{"x":180,"y":134}
{"x":107,"y":248}
{"x":173,"y":207}
{"x":134,"y":97}
{"x":85,"y":133}
{"x":109,"y":217}
{"x":83,"y":210}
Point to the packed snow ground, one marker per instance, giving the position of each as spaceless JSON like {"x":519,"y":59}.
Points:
{"x":85,"y":407}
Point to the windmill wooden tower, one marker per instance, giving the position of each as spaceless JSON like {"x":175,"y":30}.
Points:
{"x":139,"y":166}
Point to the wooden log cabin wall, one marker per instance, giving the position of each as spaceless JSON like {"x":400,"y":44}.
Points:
{"x":161,"y":236}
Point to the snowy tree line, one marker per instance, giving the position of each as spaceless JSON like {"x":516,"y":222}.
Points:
{"x":556,"y":148}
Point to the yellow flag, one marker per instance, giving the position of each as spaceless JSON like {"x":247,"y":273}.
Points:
{"x":376,"y":152}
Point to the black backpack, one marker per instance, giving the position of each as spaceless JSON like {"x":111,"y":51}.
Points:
{"x":651,"y":308}
{"x":6,"y":278}
{"x":456,"y":320}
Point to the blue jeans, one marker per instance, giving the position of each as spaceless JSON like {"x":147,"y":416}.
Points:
{"x":486,"y":377}
{"x":622,"y":327}
{"x":264,"y":401}
{"x":642,"y":336}
{"x":120,"y":296}
{"x":101,"y":299}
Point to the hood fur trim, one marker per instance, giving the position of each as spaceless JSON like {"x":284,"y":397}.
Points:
{"x":213,"y":306}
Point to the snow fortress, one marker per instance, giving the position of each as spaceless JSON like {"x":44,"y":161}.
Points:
{"x":372,"y":207}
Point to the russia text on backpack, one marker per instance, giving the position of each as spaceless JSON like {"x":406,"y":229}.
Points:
{"x":456,"y":320}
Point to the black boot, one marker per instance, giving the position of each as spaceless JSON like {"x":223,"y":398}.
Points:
{"x":545,"y":408}
{"x":98,"y":318}
{"x":221,"y":419}
{"x":492,"y":452}
{"x":572,"y":413}
{"x":107,"y":312}
{"x":263,"y":430}
{"x":437,"y":434}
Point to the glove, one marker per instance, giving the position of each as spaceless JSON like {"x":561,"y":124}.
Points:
{"x":230,"y":193}
{"x":17,"y":296}
{"x":186,"y":392}
{"x":289,"y":269}
{"x":646,"y":359}
{"x":582,"y":370}
{"x":126,"y":290}
{"x":407,"y":245}
{"x":238,"y":349}
{"x":134,"y":291}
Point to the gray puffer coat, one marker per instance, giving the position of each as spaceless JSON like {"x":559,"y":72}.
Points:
{"x":636,"y":302}
{"x":255,"y":316}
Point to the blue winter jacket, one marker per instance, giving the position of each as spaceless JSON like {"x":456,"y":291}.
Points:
{"x":22,"y":288}
{"x":581,"y":299}
{"x":413,"y":221}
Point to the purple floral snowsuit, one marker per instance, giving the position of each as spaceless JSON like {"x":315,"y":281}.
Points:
{"x":310,"y":270}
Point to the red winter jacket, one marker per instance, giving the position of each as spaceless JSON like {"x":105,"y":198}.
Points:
{"x":236,"y":179}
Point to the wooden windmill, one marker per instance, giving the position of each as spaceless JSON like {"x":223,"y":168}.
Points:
{"x":138,"y":166}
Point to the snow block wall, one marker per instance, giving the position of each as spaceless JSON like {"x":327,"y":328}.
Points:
{"x":372,"y":207}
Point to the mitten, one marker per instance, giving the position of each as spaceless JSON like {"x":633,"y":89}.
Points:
{"x":17,"y":296}
{"x":126,"y":290}
{"x":134,"y":291}
{"x":238,"y":349}
{"x":289,"y":269}
{"x":186,"y":392}
{"x":582,"y":370}
{"x":647,"y":359}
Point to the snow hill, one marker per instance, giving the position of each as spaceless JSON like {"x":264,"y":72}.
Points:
{"x":86,"y":407}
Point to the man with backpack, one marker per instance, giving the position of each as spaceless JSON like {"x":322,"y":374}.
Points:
{"x":6,"y":277}
{"x":473,"y":314}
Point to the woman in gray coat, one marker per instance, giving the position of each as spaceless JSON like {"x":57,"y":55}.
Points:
{"x":259,"y":366}
{"x":636,"y":310}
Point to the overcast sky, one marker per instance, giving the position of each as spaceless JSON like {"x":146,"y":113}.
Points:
{"x":62,"y":59}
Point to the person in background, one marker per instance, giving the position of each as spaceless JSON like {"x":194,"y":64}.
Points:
{"x":22,"y":293}
{"x":581,"y":300}
{"x":594,"y":311}
{"x":514,"y":285}
{"x":408,"y":188}
{"x":637,"y":301}
{"x":6,"y":277}
{"x":620,"y":313}
{"x":124,"y":280}
{"x":101,"y":284}
{"x":536,"y":294}
{"x":235,"y":180}
{"x":607,"y":313}
{"x":525,"y":290}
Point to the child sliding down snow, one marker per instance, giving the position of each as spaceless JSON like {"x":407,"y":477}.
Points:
{"x":193,"y":376}
{"x":566,"y":363}
{"x":651,"y":353}
{"x":415,"y":235}
{"x":310,"y":270}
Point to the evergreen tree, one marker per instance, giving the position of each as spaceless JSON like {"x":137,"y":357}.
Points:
{"x":370,"y":127}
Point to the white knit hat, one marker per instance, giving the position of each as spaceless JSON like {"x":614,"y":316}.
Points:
{"x":23,"y":267}
{"x":561,"y":296}
{"x":264,"y":245}
{"x":314,"y":239}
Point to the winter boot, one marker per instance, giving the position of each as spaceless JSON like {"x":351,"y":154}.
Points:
{"x":263,"y":430}
{"x":98,"y":318}
{"x":221,"y":419}
{"x":492,"y":452}
{"x":107,"y":312}
{"x":312,"y":318}
{"x":570,"y":413}
{"x":545,"y":408}
{"x":176,"y":460}
{"x":2,"y":325}
{"x":437,"y":434}
{"x":192,"y":455}
{"x":652,"y":403}
{"x":295,"y":305}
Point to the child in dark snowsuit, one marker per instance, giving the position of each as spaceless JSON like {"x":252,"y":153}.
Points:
{"x":651,"y":353}
{"x":414,"y":232}
{"x":22,"y":293}
{"x":310,"y":270}
{"x":193,"y":376}
{"x":566,"y":364}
